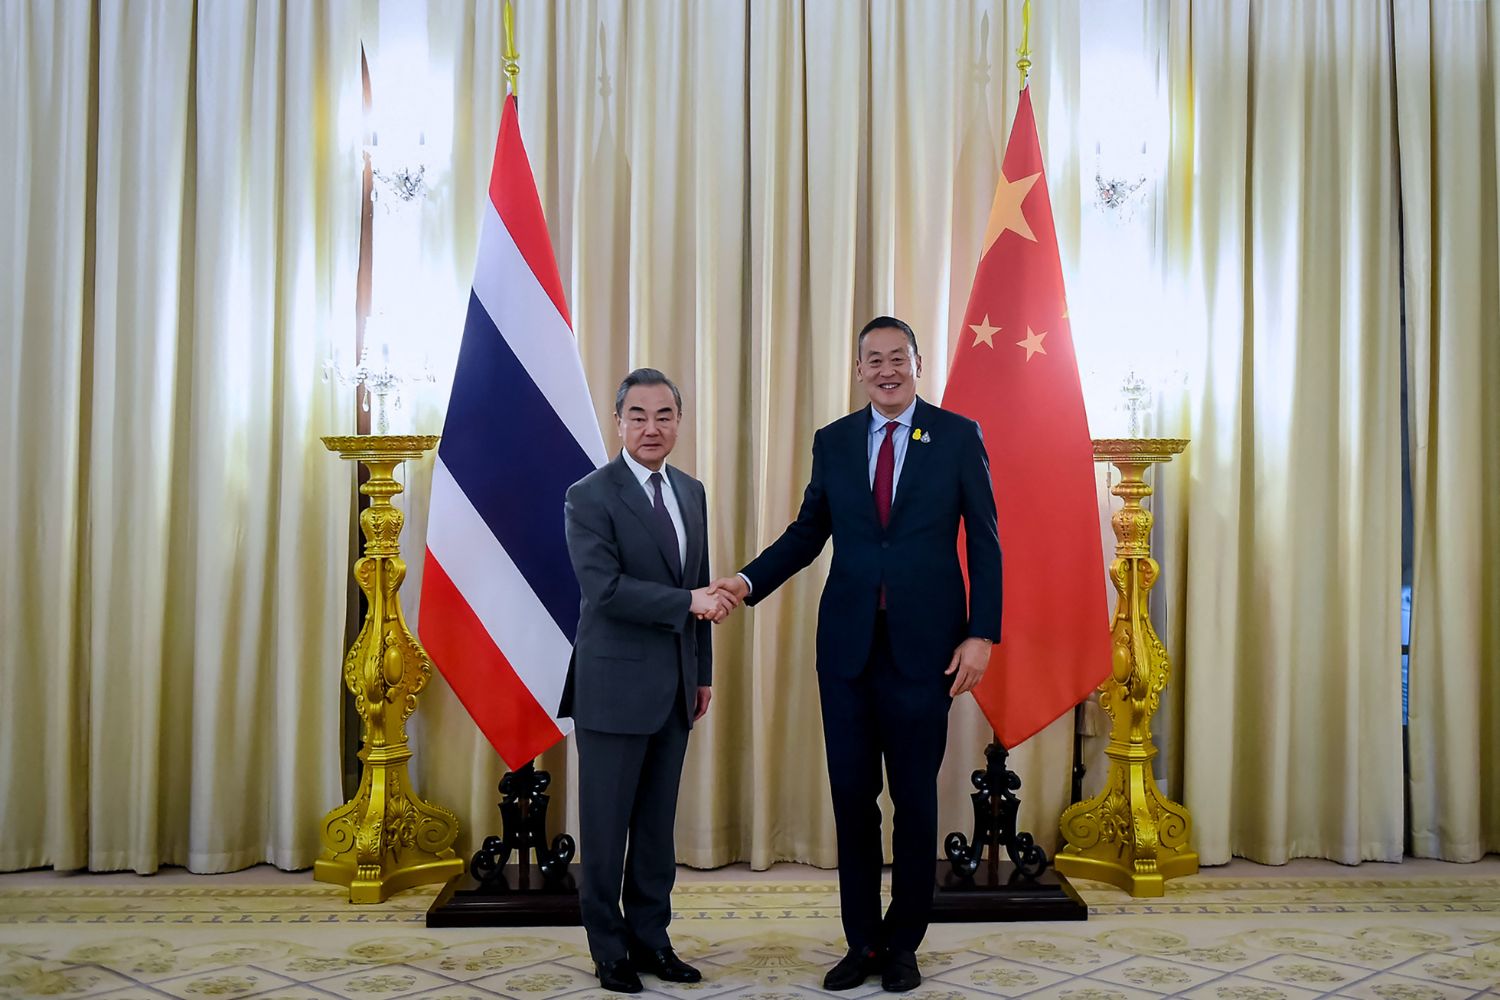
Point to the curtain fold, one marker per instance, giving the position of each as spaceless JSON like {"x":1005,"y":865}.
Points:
{"x":1447,"y":103}
{"x":732,"y":189}
{"x":1290,"y":666}
{"x":184,"y":696}
{"x":46,"y":71}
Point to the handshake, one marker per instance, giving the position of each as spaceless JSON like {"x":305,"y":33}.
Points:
{"x":714,"y":602}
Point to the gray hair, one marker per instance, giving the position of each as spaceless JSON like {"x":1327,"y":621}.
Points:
{"x":644,"y":376}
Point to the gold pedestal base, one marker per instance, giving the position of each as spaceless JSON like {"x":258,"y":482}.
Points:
{"x":1130,"y":835}
{"x":378,"y":890}
{"x":1139,"y":884}
{"x":385,"y":839}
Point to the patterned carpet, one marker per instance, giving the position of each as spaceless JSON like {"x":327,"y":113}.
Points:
{"x":1262,"y":937}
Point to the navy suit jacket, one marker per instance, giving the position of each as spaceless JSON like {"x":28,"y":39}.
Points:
{"x":944,"y":479}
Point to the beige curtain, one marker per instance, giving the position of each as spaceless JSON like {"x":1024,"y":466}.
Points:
{"x":180,"y":245}
{"x":732,"y":190}
{"x":46,"y":67}
{"x":1448,"y":100}
{"x":1282,"y":222}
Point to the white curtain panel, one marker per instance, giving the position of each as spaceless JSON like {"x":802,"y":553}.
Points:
{"x":182,"y":254}
{"x":1448,"y":106}
{"x":1286,"y":222}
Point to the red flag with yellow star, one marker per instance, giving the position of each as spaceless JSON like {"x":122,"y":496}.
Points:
{"x":1015,"y":373}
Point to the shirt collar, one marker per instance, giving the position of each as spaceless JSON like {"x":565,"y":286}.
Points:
{"x":879,"y":420}
{"x":643,"y":474}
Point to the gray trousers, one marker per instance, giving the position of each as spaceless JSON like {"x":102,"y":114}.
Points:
{"x":627,"y":804}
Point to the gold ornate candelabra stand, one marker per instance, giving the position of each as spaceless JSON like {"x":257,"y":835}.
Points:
{"x":1130,"y":835}
{"x":386,"y":838}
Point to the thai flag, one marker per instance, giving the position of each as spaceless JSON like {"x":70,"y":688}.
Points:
{"x":499,"y":608}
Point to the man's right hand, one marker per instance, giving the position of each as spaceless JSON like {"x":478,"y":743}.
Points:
{"x":711,"y":605}
{"x":733,"y":586}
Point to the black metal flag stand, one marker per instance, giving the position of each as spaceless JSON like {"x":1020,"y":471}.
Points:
{"x":497,"y":894}
{"x":1024,"y":888}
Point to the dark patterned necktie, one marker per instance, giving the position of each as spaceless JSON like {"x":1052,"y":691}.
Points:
{"x":664,"y":523}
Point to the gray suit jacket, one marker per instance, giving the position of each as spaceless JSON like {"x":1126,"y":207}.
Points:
{"x":638,"y":645}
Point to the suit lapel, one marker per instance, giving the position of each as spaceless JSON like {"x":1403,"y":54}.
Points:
{"x":634,"y":497}
{"x":916,"y":460}
{"x":855,"y":450}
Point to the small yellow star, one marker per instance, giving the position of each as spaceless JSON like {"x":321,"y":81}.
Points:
{"x":1005,"y":212}
{"x":1032,"y":343}
{"x":984,"y":333}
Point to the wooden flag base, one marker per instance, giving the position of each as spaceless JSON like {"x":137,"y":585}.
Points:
{"x":525,"y":894}
{"x":519,"y":898}
{"x":971,"y":887}
{"x":1004,"y":895}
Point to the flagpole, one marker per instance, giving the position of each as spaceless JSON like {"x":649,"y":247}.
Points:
{"x":999,"y":781}
{"x":521,"y":789}
{"x":1024,"y":62}
{"x":508,"y":56}
{"x":504,"y":888}
{"x":968,"y":889}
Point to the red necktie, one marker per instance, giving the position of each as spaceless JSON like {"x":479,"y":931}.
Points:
{"x":885,"y":473}
{"x":885,"y":479}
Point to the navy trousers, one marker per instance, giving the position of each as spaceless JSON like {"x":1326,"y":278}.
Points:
{"x":878,"y":716}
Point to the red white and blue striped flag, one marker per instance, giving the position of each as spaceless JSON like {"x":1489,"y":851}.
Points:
{"x":499,"y":606}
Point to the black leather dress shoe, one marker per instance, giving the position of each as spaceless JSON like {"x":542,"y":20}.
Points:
{"x":854,"y":968}
{"x":664,"y":964}
{"x":901,"y":973}
{"x":618,"y":976}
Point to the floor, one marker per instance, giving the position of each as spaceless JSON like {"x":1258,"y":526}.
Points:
{"x":1422,"y":930}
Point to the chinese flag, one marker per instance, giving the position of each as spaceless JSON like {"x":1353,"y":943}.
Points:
{"x":1015,"y":373}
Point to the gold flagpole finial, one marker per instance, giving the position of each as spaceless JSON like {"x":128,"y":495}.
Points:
{"x":1024,"y":63}
{"x":509,"y":57}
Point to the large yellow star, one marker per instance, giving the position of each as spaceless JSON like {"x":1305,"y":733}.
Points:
{"x":1005,"y":212}
{"x":984,"y":333}
{"x":1032,"y":343}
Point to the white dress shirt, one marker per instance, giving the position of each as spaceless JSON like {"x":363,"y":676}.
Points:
{"x":873,"y":442}
{"x":669,"y":497}
{"x":903,"y":438}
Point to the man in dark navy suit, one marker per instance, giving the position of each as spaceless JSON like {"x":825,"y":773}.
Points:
{"x":898,"y":637}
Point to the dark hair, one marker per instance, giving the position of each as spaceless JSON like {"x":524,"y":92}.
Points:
{"x":644,"y":376}
{"x":885,"y":323}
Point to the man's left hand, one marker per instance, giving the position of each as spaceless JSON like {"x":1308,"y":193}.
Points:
{"x":704,"y":694}
{"x":969,"y":661}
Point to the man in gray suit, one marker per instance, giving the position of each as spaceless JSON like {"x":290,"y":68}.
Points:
{"x":638,"y":539}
